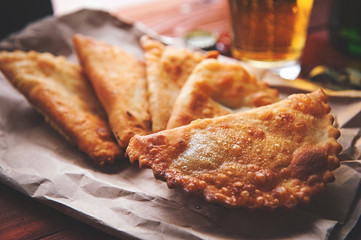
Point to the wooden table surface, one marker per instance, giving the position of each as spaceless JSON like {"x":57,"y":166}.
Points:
{"x":22,"y":217}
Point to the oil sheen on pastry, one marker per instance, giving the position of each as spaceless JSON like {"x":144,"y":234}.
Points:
{"x":118,"y":79}
{"x":167,"y":70}
{"x":59,"y":90}
{"x":218,"y":88}
{"x":275,"y":155}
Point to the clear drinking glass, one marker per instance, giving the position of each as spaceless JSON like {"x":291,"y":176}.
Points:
{"x":270,"y":34}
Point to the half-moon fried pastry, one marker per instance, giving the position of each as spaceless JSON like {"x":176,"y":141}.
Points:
{"x":167,"y":69}
{"x":275,"y":155}
{"x":218,"y":88}
{"x":119,"y":81}
{"x":59,"y":90}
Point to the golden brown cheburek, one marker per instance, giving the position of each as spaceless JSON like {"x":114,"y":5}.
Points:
{"x":275,"y":155}
{"x":167,"y":70}
{"x":118,"y":79}
{"x":218,"y":88}
{"x":59,"y":90}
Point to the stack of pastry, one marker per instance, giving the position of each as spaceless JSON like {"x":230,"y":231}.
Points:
{"x":203,"y":125}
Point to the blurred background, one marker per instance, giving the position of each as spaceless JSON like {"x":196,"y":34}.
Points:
{"x":333,"y":41}
{"x":66,"y":6}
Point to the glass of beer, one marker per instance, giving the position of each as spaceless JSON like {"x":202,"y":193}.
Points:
{"x":270,"y":34}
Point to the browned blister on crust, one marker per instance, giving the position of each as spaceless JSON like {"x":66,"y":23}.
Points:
{"x":167,"y":70}
{"x":218,"y":88}
{"x":119,"y":81}
{"x":59,"y":90}
{"x":275,"y":155}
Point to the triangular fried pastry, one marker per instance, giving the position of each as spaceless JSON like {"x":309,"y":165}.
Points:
{"x":59,"y":90}
{"x":218,"y":88}
{"x":275,"y":155}
{"x":167,"y":69}
{"x":118,"y":79}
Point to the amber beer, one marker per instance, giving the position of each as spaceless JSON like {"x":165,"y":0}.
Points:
{"x":269,"y":32}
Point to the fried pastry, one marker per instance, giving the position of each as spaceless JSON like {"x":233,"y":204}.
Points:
{"x":275,"y":155}
{"x":217,"y":88}
{"x":59,"y":90}
{"x":167,"y":70}
{"x":118,"y":79}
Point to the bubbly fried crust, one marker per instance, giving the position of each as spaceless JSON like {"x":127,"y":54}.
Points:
{"x":119,"y":81}
{"x":276,"y":155}
{"x":216,"y":89}
{"x":167,"y":70}
{"x":59,"y":90}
